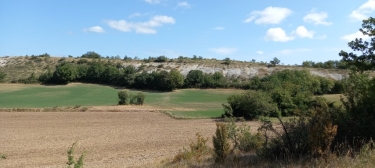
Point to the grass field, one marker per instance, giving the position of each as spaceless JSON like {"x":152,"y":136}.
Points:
{"x":182,"y":103}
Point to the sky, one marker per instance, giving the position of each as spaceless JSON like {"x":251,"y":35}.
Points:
{"x":291,"y":30}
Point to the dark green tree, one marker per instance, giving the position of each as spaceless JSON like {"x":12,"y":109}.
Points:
{"x":275,"y":61}
{"x":363,"y":57}
{"x":91,"y":54}
{"x":95,"y":72}
{"x":65,"y":73}
{"x":227,"y":61}
{"x":194,"y":78}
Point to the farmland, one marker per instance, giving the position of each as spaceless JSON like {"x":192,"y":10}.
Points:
{"x":181,"y":103}
{"x":111,"y":139}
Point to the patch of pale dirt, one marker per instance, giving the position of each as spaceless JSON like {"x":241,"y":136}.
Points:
{"x":12,"y":87}
{"x":126,"y":138}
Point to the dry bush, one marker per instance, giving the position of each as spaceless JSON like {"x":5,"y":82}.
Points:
{"x":196,"y":152}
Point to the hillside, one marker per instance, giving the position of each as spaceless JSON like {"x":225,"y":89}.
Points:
{"x":22,"y":67}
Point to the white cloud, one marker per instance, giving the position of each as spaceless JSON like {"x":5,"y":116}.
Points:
{"x":95,"y":29}
{"x":219,"y":28}
{"x":183,"y":4}
{"x":224,"y":50}
{"x":293,"y":51}
{"x":317,"y":18}
{"x":270,"y":15}
{"x":141,"y":27}
{"x":152,"y":1}
{"x":362,"y":12}
{"x":260,"y":52}
{"x":351,"y":37}
{"x":278,"y":35}
{"x":302,"y":32}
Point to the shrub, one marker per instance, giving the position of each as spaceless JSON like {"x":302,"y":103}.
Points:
{"x":140,"y":98}
{"x":123,"y":97}
{"x":221,"y":143}
{"x":356,"y":123}
{"x":126,"y":98}
{"x":305,"y":136}
{"x":241,"y":137}
{"x":2,"y":76}
{"x":82,"y":61}
{"x":251,"y":105}
{"x":196,"y":151}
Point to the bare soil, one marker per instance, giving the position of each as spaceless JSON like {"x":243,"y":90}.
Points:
{"x":130,"y":138}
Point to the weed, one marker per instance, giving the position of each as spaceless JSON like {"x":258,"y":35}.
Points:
{"x":3,"y":156}
{"x":76,"y":163}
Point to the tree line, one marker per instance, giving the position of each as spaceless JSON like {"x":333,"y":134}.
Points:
{"x":111,"y":73}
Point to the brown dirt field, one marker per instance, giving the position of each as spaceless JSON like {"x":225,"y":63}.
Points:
{"x":111,"y":139}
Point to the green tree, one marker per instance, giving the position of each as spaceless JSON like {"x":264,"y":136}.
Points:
{"x":275,"y":61}
{"x":91,"y":54}
{"x":176,"y":79}
{"x":65,"y":73}
{"x":161,"y":58}
{"x":363,"y":57}
{"x":95,"y":72}
{"x":194,"y":78}
{"x":227,"y":61}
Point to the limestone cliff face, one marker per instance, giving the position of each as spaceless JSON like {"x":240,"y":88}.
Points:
{"x":240,"y":70}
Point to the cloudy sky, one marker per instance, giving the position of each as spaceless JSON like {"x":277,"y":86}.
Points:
{"x":291,"y":30}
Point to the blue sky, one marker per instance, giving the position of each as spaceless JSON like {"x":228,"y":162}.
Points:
{"x":291,"y":30}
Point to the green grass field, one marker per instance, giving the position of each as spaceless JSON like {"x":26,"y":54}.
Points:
{"x":182,"y":103}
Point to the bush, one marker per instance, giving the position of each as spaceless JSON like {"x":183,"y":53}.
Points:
{"x":123,"y":97}
{"x":356,"y":123}
{"x":241,"y":137}
{"x":251,"y":105}
{"x":221,"y":143}
{"x":2,"y":76}
{"x":140,"y":98}
{"x":126,"y":98}
{"x":82,"y":61}
{"x":305,"y":136}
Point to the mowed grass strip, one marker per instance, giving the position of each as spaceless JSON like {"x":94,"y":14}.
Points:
{"x":190,"y":103}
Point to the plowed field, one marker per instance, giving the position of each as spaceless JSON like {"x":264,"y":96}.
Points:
{"x":111,"y":139}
